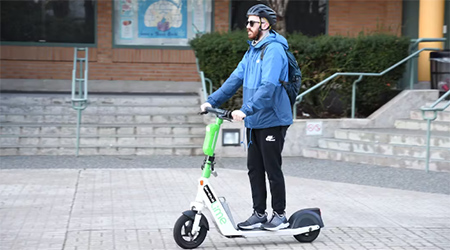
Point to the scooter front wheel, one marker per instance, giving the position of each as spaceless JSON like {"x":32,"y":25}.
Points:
{"x":183,"y":236}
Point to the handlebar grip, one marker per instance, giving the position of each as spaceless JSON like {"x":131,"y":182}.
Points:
{"x":210,"y":109}
{"x":221,"y":113}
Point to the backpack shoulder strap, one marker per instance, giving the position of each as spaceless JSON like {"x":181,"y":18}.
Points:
{"x":263,"y":49}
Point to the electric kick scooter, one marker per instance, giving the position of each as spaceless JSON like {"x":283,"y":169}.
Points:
{"x":191,"y":227}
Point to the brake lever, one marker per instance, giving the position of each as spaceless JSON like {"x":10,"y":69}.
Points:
{"x":225,"y":118}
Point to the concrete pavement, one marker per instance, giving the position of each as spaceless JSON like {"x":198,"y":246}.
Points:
{"x":61,"y":206}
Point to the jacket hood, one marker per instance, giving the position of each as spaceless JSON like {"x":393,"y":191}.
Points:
{"x":272,"y":37}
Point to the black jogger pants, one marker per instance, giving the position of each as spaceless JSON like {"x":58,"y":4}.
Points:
{"x":264,"y":156}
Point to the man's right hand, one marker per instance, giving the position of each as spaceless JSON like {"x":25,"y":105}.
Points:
{"x":204,"y":106}
{"x":238,"y":115}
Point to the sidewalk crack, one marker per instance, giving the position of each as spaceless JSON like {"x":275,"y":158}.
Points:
{"x":71,"y":209}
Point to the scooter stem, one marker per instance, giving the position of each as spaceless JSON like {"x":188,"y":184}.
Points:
{"x":209,"y":145}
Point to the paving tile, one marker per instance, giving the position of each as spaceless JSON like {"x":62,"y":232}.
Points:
{"x":136,"y":209}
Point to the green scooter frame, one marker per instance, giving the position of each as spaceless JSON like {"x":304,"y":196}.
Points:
{"x":192,"y":226}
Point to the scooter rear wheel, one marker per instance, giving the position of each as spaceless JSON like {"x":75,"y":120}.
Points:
{"x":304,"y":221}
{"x":307,"y":237}
{"x":183,"y":236}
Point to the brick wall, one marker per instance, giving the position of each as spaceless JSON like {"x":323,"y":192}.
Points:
{"x":221,"y":15}
{"x":104,"y":31}
{"x":349,"y":17}
{"x":107,"y":63}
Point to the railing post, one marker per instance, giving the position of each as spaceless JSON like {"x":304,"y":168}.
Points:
{"x":427,"y":160}
{"x":79,"y":88}
{"x":429,"y":120}
{"x":411,"y":73}
{"x":435,"y":109}
{"x":294,"y":108}
{"x":354,"y":95}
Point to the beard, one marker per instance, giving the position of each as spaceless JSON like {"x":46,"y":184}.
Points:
{"x":251,"y":35}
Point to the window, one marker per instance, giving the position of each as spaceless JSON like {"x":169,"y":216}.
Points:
{"x":48,"y":21}
{"x":160,"y":22}
{"x":306,"y":16}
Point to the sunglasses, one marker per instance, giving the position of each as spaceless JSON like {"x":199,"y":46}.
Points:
{"x":251,"y":23}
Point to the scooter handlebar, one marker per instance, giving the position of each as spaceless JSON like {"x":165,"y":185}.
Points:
{"x":220,"y":113}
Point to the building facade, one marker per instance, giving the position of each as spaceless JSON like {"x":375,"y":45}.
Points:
{"x":113,"y":57}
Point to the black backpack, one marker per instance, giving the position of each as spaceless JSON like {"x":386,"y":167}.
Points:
{"x":292,"y":86}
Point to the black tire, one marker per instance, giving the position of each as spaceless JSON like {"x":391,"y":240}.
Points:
{"x":182,"y":233}
{"x":309,"y":236}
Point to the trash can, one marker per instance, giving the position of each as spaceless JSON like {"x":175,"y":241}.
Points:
{"x":440,"y":70}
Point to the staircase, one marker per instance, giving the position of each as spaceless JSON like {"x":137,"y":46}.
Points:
{"x":403,"y":146}
{"x":139,"y":124}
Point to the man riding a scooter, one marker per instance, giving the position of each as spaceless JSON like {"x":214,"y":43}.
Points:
{"x":267,"y":112}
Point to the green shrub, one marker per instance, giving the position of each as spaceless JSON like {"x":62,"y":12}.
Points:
{"x":318,"y":57}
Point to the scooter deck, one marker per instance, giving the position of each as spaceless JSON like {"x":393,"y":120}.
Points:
{"x":281,"y":232}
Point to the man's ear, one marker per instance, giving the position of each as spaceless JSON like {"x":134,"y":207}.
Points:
{"x":265,"y":25}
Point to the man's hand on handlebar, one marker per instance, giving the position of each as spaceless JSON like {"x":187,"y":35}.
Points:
{"x":238,"y":115}
{"x":204,"y":105}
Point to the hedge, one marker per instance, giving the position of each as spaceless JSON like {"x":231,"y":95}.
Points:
{"x":319,"y":57}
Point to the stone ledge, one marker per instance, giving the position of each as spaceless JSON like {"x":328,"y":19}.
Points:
{"x":99,"y":86}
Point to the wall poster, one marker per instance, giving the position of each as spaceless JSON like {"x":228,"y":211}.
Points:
{"x":160,"y":22}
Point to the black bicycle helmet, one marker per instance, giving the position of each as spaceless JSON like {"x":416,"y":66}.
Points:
{"x":262,"y":10}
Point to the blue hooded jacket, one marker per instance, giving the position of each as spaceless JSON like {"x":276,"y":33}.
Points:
{"x":266,"y":103}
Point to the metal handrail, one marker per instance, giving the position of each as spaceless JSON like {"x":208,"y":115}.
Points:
{"x":414,"y":47}
{"x":434,"y":109}
{"x":360,"y":74}
{"x":424,"y":40}
{"x":79,"y":88}
{"x":79,"y":95}
{"x":202,"y":74}
{"x":204,"y":79}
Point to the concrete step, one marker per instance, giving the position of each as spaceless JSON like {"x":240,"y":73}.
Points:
{"x":100,"y":140}
{"x":394,"y":136}
{"x":17,"y":99}
{"x":438,"y":153}
{"x":71,"y":117}
{"x":422,"y":125}
{"x":102,"y":129}
{"x":440,"y":116}
{"x":188,"y":150}
{"x":376,"y":159}
{"x":101,"y":109}
{"x":137,"y":124}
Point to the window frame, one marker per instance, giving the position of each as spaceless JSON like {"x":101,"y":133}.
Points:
{"x":53,"y":44}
